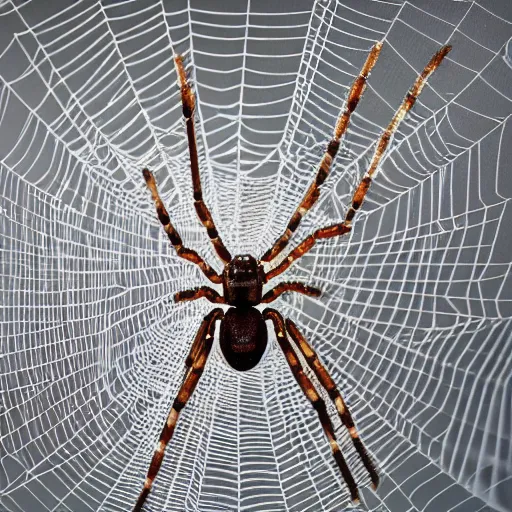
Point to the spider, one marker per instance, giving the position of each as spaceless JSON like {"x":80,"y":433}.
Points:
{"x":243,"y":330}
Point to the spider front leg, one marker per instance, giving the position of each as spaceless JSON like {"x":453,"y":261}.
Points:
{"x":330,"y":386}
{"x":312,"y":395}
{"x":313,"y":193}
{"x":194,"y":365}
{"x":174,"y":237}
{"x":385,"y":138}
{"x":363,"y":187}
{"x":188,"y":101}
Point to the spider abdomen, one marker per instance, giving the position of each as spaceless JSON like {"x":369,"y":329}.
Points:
{"x":243,"y":337}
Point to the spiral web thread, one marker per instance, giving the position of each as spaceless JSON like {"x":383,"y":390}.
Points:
{"x":415,"y":320}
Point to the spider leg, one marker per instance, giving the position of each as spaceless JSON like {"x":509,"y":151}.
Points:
{"x":194,"y":365}
{"x":188,"y":101}
{"x":173,"y":235}
{"x":198,"y":293}
{"x":311,"y":393}
{"x":385,"y":138}
{"x":324,"y":168}
{"x":281,"y":288}
{"x":326,"y":381}
{"x":306,"y":245}
{"x":364,"y":185}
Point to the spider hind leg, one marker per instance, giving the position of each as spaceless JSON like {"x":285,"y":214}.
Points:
{"x":312,"y":395}
{"x":194,"y":366}
{"x":329,"y":385}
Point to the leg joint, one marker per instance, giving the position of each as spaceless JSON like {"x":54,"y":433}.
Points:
{"x":188,"y":110}
{"x":332,"y":147}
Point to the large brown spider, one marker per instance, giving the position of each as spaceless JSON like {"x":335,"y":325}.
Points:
{"x":243,"y":331}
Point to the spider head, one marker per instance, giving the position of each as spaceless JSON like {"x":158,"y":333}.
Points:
{"x":243,"y":281}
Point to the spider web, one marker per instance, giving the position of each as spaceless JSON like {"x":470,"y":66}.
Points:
{"x":415,"y":322}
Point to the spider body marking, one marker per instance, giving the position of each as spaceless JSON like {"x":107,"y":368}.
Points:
{"x":243,"y":330}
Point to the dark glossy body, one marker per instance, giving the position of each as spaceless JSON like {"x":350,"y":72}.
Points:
{"x":243,"y":333}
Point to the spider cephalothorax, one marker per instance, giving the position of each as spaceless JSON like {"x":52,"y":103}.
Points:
{"x":243,"y":329}
{"x":242,"y":281}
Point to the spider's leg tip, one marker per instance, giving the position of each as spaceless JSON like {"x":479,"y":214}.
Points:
{"x":375,"y":480}
{"x":178,"y":62}
{"x":148,"y":175}
{"x":442,"y":53}
{"x":180,"y":70}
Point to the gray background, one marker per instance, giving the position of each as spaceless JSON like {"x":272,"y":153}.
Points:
{"x":92,"y":345}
